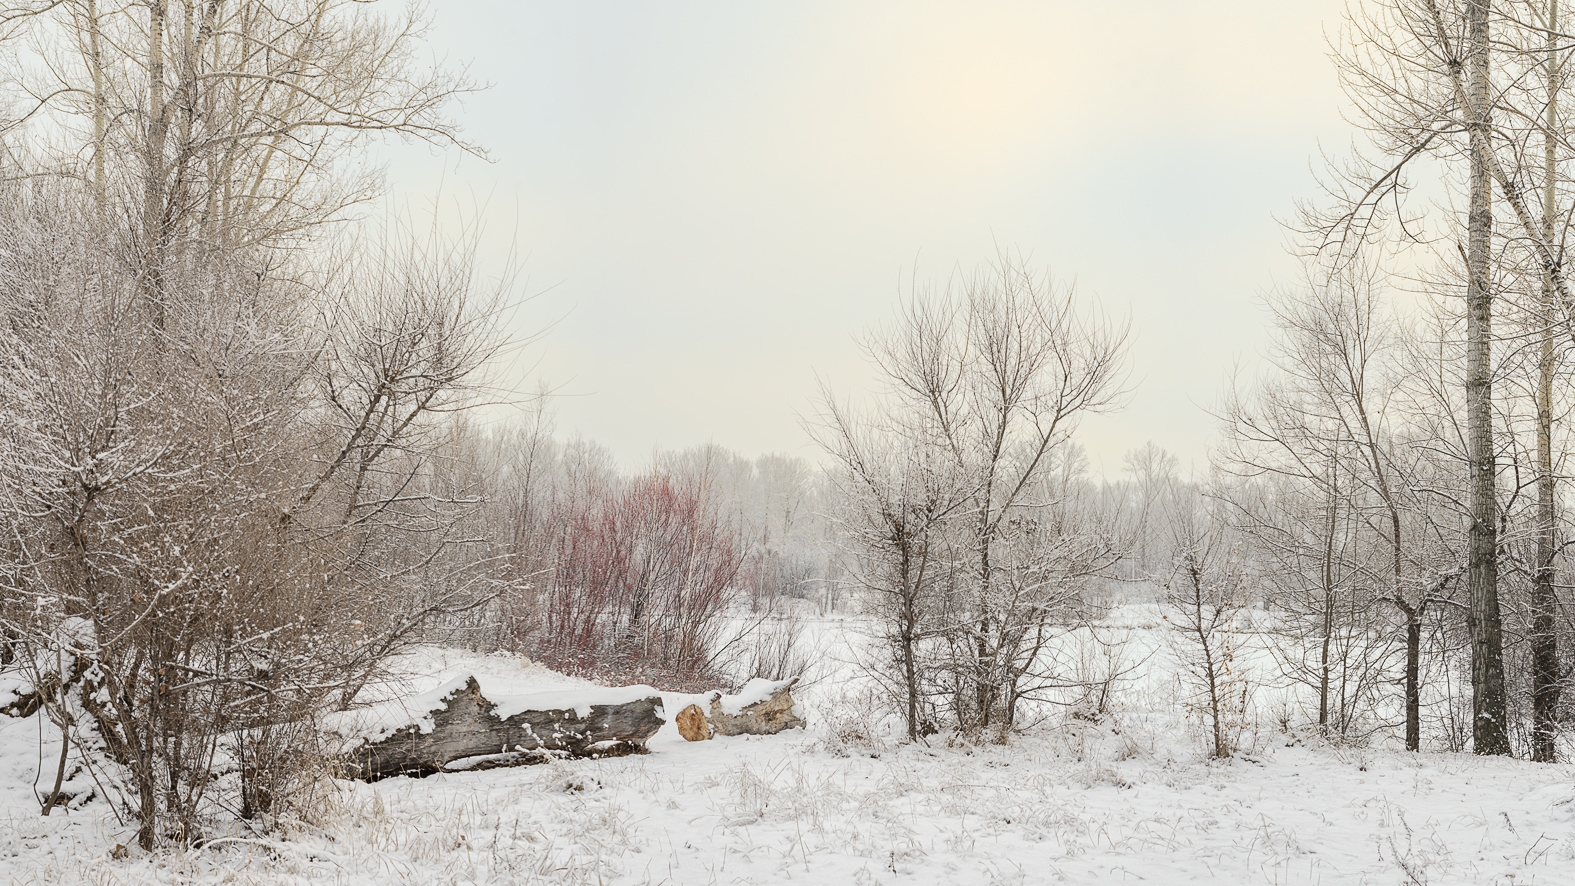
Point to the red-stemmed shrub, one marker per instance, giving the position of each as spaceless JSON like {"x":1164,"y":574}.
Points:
{"x":637,"y":584}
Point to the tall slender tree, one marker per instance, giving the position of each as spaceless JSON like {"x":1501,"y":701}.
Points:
{"x":1490,"y":727}
{"x":1544,"y":600}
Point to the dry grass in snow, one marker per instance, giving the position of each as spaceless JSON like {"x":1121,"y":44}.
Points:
{"x":1128,"y":799}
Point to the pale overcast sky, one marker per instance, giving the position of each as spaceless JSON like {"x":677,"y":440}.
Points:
{"x":716,"y":198}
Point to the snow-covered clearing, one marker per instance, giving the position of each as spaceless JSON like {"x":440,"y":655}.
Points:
{"x":1129,"y":799}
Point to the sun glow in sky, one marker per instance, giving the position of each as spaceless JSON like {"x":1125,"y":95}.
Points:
{"x":712,"y":200}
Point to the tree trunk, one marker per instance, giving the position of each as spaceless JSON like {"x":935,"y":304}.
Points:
{"x":1544,"y":642}
{"x":1413,"y":679}
{"x":1328,"y":591}
{"x":910,"y":673}
{"x":1490,"y":733}
{"x":1323,"y":672}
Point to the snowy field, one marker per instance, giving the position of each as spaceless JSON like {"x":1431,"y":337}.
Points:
{"x":1127,"y":800}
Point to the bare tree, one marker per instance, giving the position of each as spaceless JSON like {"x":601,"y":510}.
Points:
{"x":207,"y":518}
{"x":211,"y":127}
{"x":222,"y":479}
{"x":1204,"y":598}
{"x":1333,"y":427}
{"x":1545,"y":669}
{"x":1153,"y":473}
{"x":989,"y":379}
{"x":1319,"y":567}
{"x":897,"y":500}
{"x":1491,"y":712}
{"x":1419,"y":72}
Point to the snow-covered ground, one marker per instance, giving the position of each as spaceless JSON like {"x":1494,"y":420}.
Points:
{"x":1130,"y":799}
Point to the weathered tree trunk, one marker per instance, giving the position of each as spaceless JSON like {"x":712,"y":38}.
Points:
{"x":1490,"y":734}
{"x":773,"y":712}
{"x":465,"y":726}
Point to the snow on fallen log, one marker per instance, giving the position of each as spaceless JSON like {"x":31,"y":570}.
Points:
{"x":456,"y":724}
{"x":762,"y":707}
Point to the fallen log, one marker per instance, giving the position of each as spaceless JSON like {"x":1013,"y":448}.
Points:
{"x":466,"y":729}
{"x":762,"y":707}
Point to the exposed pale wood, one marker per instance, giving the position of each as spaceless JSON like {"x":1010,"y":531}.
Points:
{"x":692,"y":724}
